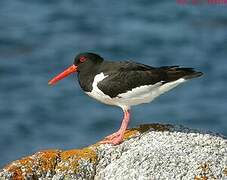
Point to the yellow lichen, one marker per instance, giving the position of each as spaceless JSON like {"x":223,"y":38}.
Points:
{"x":156,"y":127}
{"x":72,"y":158}
{"x":130,"y":133}
{"x":145,"y":127}
{"x":201,"y":178}
{"x":41,"y":161}
{"x":16,"y":167}
{"x":225,"y":171}
{"x":85,"y":153}
{"x":56,"y":160}
{"x":205,"y":173}
{"x":16,"y":172}
{"x":205,"y":168}
{"x":47,"y":159}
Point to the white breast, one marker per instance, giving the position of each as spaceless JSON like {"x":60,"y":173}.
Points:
{"x":139,"y":95}
{"x":96,"y":93}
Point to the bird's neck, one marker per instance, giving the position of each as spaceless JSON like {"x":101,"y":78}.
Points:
{"x":86,"y":78}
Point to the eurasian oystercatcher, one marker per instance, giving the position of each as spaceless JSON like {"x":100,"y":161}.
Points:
{"x":124,"y":84}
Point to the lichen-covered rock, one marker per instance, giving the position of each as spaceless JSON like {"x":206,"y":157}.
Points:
{"x":152,"y":151}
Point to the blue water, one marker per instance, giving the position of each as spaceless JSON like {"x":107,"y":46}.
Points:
{"x":39,"y":39}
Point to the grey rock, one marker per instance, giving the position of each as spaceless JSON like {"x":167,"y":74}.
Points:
{"x":151,"y":152}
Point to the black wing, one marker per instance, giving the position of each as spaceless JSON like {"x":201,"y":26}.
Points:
{"x":130,"y":75}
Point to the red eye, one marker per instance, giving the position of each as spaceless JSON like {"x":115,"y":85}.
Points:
{"x":83,"y":58}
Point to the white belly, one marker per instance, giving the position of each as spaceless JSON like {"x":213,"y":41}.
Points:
{"x":139,"y":95}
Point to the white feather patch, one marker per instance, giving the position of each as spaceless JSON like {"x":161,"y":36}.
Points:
{"x":138,"y":95}
{"x":96,"y":93}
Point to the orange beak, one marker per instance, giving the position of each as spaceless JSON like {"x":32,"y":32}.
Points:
{"x":65,"y":73}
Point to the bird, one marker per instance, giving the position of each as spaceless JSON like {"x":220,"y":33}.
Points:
{"x":123,"y":83}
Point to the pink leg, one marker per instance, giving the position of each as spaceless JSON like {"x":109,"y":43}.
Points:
{"x":117,"y":137}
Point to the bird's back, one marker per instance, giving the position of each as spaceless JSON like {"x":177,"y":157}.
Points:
{"x":125,"y":76}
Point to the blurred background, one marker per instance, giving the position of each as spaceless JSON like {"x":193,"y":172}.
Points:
{"x":39,"y":39}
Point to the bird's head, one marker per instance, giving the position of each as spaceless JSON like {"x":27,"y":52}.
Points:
{"x":81,"y":62}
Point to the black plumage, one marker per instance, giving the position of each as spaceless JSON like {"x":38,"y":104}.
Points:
{"x":126,"y":75}
{"x":133,"y":83}
{"x":132,"y":75}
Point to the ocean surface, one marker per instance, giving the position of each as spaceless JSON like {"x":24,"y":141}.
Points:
{"x":39,"y":39}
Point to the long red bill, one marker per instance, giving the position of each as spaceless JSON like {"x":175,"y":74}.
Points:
{"x":68,"y":71}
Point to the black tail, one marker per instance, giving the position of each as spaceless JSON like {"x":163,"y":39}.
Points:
{"x":175,"y":72}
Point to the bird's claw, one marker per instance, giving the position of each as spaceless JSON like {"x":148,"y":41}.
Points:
{"x":115,"y":138}
{"x":114,"y":141}
{"x":112,"y":136}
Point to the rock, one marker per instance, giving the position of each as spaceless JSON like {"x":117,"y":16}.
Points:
{"x":152,"y":151}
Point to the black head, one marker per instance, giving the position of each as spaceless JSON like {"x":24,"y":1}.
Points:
{"x":83,"y":62}
{"x":87,"y":59}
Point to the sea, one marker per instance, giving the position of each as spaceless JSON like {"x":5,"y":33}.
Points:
{"x":40,"y":38}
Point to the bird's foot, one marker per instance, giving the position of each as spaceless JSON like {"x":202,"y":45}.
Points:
{"x":114,"y":135}
{"x":115,"y":138}
{"x":114,"y":141}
